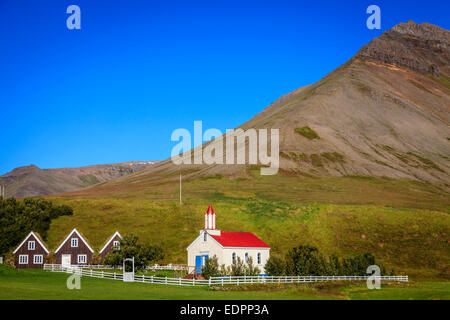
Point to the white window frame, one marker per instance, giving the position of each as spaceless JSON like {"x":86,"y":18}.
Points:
{"x":85,"y":259}
{"x":31,"y":245}
{"x":116,"y":244}
{"x":259,"y":258}
{"x":22,"y":259}
{"x":205,"y":237}
{"x":41,"y":259}
{"x":74,"y":242}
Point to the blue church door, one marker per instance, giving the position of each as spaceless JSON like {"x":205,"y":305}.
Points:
{"x":200,"y":262}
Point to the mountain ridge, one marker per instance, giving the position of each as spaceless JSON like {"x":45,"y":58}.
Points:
{"x":31,"y":180}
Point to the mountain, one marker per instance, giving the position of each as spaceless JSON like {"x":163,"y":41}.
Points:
{"x":384,"y":113}
{"x":32,"y":181}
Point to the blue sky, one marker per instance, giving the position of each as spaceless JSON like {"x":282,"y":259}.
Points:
{"x":137,"y":70}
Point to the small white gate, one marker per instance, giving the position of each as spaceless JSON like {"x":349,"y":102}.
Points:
{"x":128,"y":276}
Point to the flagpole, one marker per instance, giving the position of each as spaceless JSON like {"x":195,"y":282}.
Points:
{"x":180,"y":187}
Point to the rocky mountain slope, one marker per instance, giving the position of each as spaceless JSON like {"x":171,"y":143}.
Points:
{"x":32,"y":181}
{"x":384,"y":113}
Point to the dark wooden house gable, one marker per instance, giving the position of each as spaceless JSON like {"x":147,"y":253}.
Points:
{"x":31,"y":253}
{"x":107,"y":248}
{"x":74,"y":250}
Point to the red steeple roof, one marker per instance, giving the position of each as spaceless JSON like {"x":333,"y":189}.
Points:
{"x":240,"y":239}
{"x":210,"y":210}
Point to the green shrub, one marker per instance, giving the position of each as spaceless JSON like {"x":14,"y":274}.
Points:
{"x":144,"y":254}
{"x":238,"y":268}
{"x":251,"y":269}
{"x":308,"y":261}
{"x":275,"y":266}
{"x":305,"y":261}
{"x":307,"y":132}
{"x":211,"y":268}
{"x":19,"y":217}
{"x":225,"y":270}
{"x":333,"y":157}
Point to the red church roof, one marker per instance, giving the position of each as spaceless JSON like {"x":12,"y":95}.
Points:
{"x":240,"y":239}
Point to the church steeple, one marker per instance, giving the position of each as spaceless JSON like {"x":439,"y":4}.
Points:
{"x":210,"y":218}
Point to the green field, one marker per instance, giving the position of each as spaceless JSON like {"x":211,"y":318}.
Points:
{"x":405,"y":224}
{"x":411,"y":241}
{"x":39,"y":284}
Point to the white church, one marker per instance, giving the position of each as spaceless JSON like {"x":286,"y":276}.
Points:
{"x":227,"y":246}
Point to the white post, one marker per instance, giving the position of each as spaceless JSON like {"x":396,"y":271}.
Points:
{"x":210,"y":281}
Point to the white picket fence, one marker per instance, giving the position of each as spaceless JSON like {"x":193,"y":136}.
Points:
{"x":174,"y":267}
{"x":229,"y":280}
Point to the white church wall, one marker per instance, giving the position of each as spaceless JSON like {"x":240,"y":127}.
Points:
{"x":224,"y":255}
{"x":200,"y":247}
{"x":252,"y":252}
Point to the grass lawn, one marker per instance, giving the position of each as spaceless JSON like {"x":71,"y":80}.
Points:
{"x":39,"y":284}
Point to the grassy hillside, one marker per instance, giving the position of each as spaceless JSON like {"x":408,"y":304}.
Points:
{"x":286,"y":186}
{"x":404,"y":223}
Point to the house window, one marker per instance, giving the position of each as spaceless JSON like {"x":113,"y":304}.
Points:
{"x":116,"y":245}
{"x":23,"y":259}
{"x":246,"y":257}
{"x":38,"y":259}
{"x":259,"y":257}
{"x":31,"y":245}
{"x":233,"y":257}
{"x":205,"y":236}
{"x":81,"y":258}
{"x":74,"y":242}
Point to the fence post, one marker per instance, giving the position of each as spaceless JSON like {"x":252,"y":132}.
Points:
{"x":166,"y":279}
{"x":193,"y":281}
{"x":179,"y":281}
{"x":222,"y":282}
{"x":152,"y":279}
{"x":103,"y":274}
{"x":114,"y":276}
{"x":237,"y":281}
{"x":210,"y":281}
